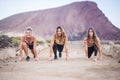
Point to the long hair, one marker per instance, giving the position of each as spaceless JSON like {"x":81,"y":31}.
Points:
{"x":62,"y":37}
{"x":94,"y":35}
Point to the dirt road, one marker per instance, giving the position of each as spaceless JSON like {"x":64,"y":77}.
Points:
{"x":77,"y":68}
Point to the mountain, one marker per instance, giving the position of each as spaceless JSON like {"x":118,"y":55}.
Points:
{"x":75,"y":18}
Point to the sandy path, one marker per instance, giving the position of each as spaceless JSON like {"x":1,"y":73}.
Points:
{"x":77,"y":68}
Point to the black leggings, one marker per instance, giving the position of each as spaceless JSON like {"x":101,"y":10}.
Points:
{"x":57,"y":47}
{"x":91,"y":50}
{"x":30,"y":45}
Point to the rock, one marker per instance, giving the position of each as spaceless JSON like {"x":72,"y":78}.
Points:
{"x":15,"y":61}
{"x":7,"y":53}
{"x":119,"y":61}
{"x":5,"y":41}
{"x":111,"y":49}
{"x":106,"y":49}
{"x":0,"y":67}
{"x":41,"y":47}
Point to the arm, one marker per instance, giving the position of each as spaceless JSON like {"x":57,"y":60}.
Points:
{"x":21,"y":42}
{"x":66,"y":48}
{"x":35,"y":43}
{"x":86,"y":47}
{"x":99,"y":48}
{"x":34,"y":47}
{"x":51,"y":48}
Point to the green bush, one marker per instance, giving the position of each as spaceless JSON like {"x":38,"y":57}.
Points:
{"x":40,"y":42}
{"x":16,"y":41}
{"x":48,"y":41}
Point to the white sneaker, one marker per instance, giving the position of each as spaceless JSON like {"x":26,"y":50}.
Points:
{"x":95,"y":58}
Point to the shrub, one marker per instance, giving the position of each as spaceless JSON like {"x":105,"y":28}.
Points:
{"x":16,"y":41}
{"x":40,"y":42}
{"x":48,"y":41}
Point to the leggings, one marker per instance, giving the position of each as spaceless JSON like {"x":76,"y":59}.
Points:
{"x":30,"y":45}
{"x":91,"y":50}
{"x":57,"y":47}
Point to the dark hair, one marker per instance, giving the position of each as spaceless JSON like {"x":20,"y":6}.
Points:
{"x":94,"y":35}
{"x":59,"y":28}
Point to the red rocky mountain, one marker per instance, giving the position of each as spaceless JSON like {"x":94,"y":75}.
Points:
{"x":75,"y":18}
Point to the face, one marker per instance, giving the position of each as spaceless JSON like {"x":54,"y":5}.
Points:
{"x":91,"y":33}
{"x":28,"y":33}
{"x":59,"y":32}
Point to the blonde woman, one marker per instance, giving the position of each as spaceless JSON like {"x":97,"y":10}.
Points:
{"x":28,"y":41}
{"x":92,"y":44}
{"x":57,"y":43}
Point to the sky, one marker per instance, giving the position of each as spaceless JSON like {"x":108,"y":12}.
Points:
{"x":111,"y":8}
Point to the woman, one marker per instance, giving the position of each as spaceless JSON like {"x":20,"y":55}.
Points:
{"x":28,"y":41}
{"x":57,"y":43}
{"x":92,"y":44}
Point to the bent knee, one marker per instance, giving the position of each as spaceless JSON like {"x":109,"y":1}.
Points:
{"x":24,"y":44}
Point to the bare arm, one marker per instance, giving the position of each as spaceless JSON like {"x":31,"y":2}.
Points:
{"x":35,"y":43}
{"x":86,"y":47}
{"x":99,"y":48}
{"x":21,"y":42}
{"x":66,"y":48}
{"x":51,"y":46}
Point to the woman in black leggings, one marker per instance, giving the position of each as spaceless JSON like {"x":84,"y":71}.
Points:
{"x":92,"y":44}
{"x":92,"y":49}
{"x":57,"y":43}
{"x":59,"y":48}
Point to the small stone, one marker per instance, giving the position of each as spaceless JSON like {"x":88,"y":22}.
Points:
{"x":119,"y":61}
{"x":16,"y":54}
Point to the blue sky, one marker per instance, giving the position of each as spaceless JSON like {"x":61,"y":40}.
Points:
{"x":111,"y":8}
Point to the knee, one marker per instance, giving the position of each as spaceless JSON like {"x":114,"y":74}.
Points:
{"x":24,"y":44}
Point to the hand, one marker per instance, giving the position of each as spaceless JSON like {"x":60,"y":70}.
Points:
{"x":86,"y":58}
{"x":100,"y":58}
{"x":20,"y":58}
{"x":36,"y":59}
{"x":50,"y":58}
{"x":67,"y":58}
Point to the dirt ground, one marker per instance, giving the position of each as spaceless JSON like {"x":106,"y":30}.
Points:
{"x":77,"y":68}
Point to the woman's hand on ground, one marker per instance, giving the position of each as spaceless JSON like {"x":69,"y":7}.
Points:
{"x":20,"y":58}
{"x":67,"y":58}
{"x":50,"y":58}
{"x":36,"y":59}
